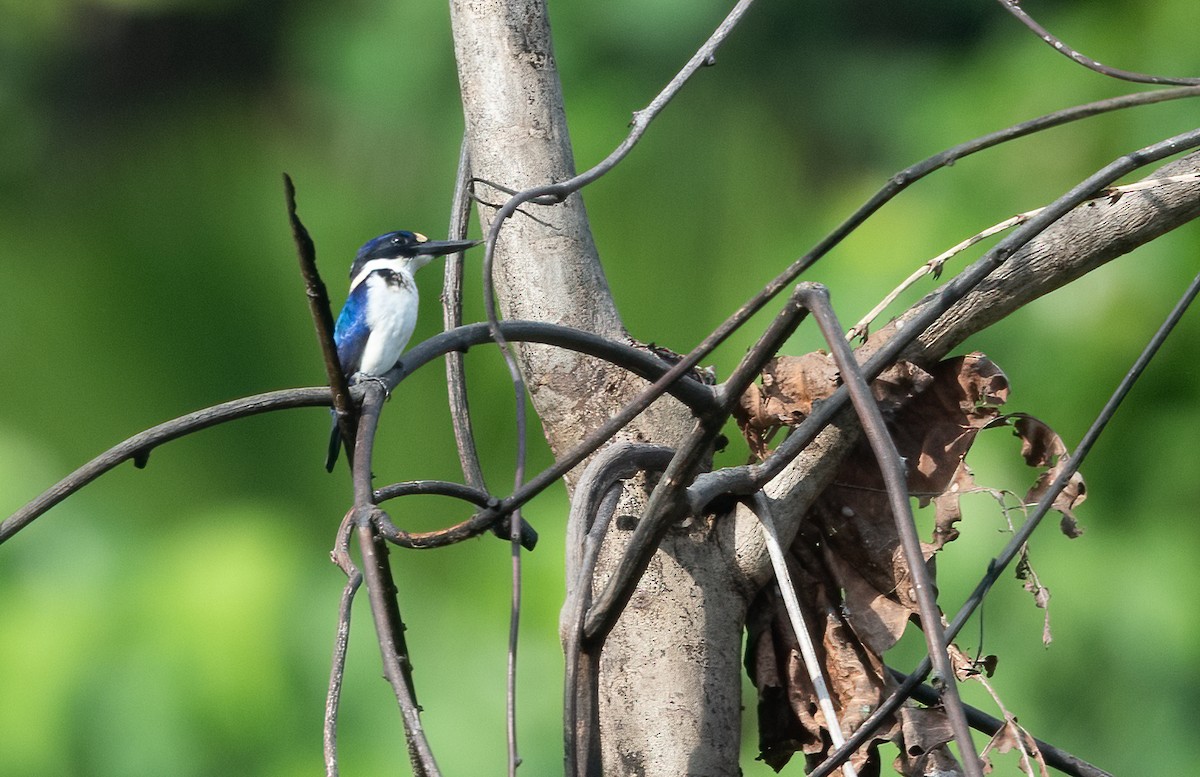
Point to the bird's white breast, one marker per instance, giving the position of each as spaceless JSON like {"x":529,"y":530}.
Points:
{"x":392,"y":317}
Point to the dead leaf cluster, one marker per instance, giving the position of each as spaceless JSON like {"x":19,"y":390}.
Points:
{"x":847,"y":561}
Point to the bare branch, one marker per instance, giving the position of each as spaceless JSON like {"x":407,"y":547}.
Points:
{"x":456,"y":379}
{"x":816,"y":299}
{"x":636,"y":361}
{"x":142,"y":443}
{"x":389,"y":628}
{"x":435,"y":487}
{"x":762,"y":510}
{"x":1055,"y":757}
{"x":935,"y":265}
{"x":364,"y":445}
{"x":901,"y":181}
{"x":381,"y":588}
{"x":341,"y":557}
{"x":1014,"y":8}
{"x":318,"y":305}
{"x":1076,"y":244}
{"x":478,"y":523}
{"x":592,"y":508}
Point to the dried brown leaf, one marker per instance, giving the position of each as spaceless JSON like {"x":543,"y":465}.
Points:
{"x":1041,"y":594}
{"x":852,"y":579}
{"x":752,"y":418}
{"x":936,"y":430}
{"x":937,"y":763}
{"x":898,"y":384}
{"x":1042,"y":447}
{"x":789,"y":718}
{"x":933,"y":431}
{"x":790,"y":386}
{"x":947,"y":506}
{"x":881,"y":622}
{"x":1012,"y":737}
{"x":964,"y":665}
{"x":924,"y":729}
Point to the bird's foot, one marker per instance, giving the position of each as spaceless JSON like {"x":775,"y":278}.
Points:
{"x":387,"y":392}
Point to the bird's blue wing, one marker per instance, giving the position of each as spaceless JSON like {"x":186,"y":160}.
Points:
{"x":350,"y":336}
{"x":351,"y":333}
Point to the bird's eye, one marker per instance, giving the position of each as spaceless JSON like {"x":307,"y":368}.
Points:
{"x":397,"y":240}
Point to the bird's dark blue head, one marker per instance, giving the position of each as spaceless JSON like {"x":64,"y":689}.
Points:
{"x":403,"y":245}
{"x":391,"y":245}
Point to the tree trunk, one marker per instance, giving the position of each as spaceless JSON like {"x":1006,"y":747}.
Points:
{"x":670,"y":674}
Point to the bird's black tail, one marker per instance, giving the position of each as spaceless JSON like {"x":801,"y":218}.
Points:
{"x":335,"y":445}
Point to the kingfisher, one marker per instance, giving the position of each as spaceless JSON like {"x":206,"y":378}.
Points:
{"x":381,"y":310}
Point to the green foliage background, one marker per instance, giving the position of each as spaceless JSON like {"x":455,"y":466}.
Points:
{"x":179,"y":620}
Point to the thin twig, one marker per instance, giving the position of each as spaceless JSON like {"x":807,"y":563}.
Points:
{"x":142,"y":443}
{"x":1014,"y":8}
{"x":318,"y":306}
{"x":935,"y":265}
{"x":460,"y":411}
{"x":592,"y":507}
{"x":934,"y":268}
{"x":477,"y":524}
{"x":761,"y":507}
{"x":997,"y":565}
{"x":705,"y":56}
{"x":521,"y":454}
{"x":816,"y":299}
{"x":436,"y":488}
{"x":1055,"y":757}
{"x":389,"y":629}
{"x":456,"y":378}
{"x":452,"y":287}
{"x":514,"y":633}
{"x":341,"y":557}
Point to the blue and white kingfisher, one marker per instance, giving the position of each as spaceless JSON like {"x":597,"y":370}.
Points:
{"x":381,"y":311}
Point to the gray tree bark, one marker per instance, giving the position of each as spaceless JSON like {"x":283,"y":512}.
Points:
{"x":670,"y":674}
{"x":659,"y":715}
